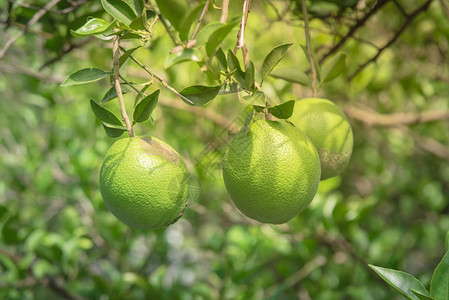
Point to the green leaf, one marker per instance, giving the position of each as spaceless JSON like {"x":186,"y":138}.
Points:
{"x":421,"y":296}
{"x":218,"y":36}
{"x":401,"y":282}
{"x":282,"y":111}
{"x":213,"y":68}
{"x":85,"y":76}
{"x":145,"y":107}
{"x":439,"y":285}
{"x":334,"y":68}
{"x":221,"y":57}
{"x":273,"y":58}
{"x":137,"y":6}
{"x":203,"y":35}
{"x":173,"y":11}
{"x":10,"y":229}
{"x":294,"y":75}
{"x":200,"y":95}
{"x":111,"y":131}
{"x":188,"y":54}
{"x":92,"y":27}
{"x":258,"y":108}
{"x":104,"y":115}
{"x":257,"y":98}
{"x":140,"y":95}
{"x":119,"y":10}
{"x":234,"y":67}
{"x":111,"y":94}
{"x":188,"y":21}
{"x":249,"y":75}
{"x":139,"y":23}
{"x":126,"y":55}
{"x":229,"y":88}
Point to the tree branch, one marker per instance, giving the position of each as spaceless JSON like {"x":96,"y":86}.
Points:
{"x":395,"y":119}
{"x":309,"y":48}
{"x":36,"y":17}
{"x":15,"y":69}
{"x":66,"y":51}
{"x":241,"y":34}
{"x":203,"y":13}
{"x":158,"y":78}
{"x":404,"y":26}
{"x":224,"y":11}
{"x":118,"y":88}
{"x":354,"y":28}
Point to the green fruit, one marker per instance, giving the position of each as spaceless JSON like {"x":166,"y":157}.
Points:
{"x":329,"y":130}
{"x":271,"y":172}
{"x":143,"y":182}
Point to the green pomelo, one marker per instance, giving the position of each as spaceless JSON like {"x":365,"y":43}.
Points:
{"x":329,"y":130}
{"x":144,"y":182}
{"x":271,"y":172}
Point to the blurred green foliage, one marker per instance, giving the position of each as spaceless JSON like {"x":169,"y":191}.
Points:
{"x":389,"y":208}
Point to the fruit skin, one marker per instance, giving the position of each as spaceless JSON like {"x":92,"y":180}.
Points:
{"x":272,"y":172}
{"x":329,"y":130}
{"x":143,"y":182}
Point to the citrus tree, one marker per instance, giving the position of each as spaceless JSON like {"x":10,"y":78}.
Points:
{"x":274,"y":96}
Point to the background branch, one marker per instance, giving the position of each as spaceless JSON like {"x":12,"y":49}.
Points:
{"x":36,"y":17}
{"x":309,"y":48}
{"x":372,"y":118}
{"x":241,"y":34}
{"x":354,"y":29}
{"x":404,"y":26}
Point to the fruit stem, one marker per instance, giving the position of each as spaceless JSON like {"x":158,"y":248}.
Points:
{"x":309,"y":48}
{"x":118,"y":88}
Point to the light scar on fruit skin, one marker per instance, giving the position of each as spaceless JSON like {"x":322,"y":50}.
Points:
{"x":154,"y":147}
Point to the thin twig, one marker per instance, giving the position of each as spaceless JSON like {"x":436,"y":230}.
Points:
{"x":309,"y":48}
{"x":15,"y":69}
{"x":354,"y":28}
{"x":36,"y":17}
{"x":296,"y":277}
{"x":241,"y":34}
{"x":224,"y":11}
{"x":66,"y":51}
{"x":158,"y":78}
{"x":401,"y":30}
{"x":203,"y":13}
{"x":401,"y":9}
{"x":118,"y":88}
{"x":371,"y":118}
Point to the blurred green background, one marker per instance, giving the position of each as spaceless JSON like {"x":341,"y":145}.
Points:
{"x":389,"y":208}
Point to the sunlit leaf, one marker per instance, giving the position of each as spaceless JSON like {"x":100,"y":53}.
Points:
{"x":173,"y":11}
{"x":200,"y":95}
{"x":294,"y":75}
{"x":234,"y":67}
{"x":137,"y":6}
{"x":85,"y":76}
{"x":334,"y":68}
{"x":145,"y":107}
{"x":187,"y":54}
{"x":273,"y":58}
{"x":218,"y":36}
{"x":186,"y":24}
{"x":439,"y":286}
{"x":119,"y":10}
{"x":92,"y":27}
{"x":401,"y":282}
